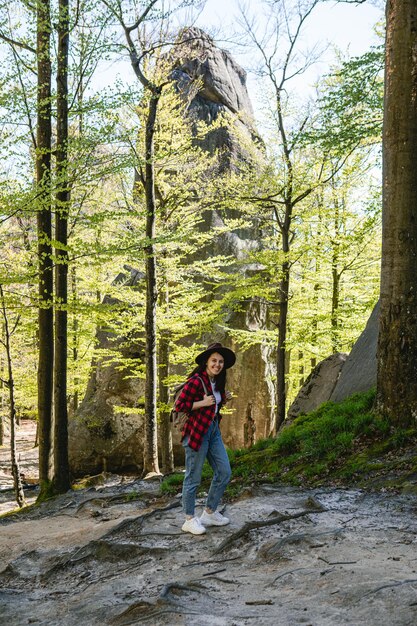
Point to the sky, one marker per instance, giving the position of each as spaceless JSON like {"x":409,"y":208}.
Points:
{"x":349,"y":28}
{"x":345,"y":25}
{"x":332,"y":24}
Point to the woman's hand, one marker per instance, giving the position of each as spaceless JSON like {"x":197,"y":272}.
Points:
{"x":229,"y":395}
{"x":206,"y":401}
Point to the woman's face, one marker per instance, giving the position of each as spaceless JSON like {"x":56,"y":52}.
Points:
{"x":215,"y":364}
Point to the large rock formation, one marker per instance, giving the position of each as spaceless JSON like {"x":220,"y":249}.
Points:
{"x":100,"y":436}
{"x":340,"y":376}
{"x":223,"y":91}
{"x":319,"y":386}
{"x":359,"y":372}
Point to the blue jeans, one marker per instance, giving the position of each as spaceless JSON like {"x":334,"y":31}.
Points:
{"x":213,"y":449}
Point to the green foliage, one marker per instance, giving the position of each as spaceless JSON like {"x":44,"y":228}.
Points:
{"x":199,"y":287}
{"x":350,"y":106}
{"x":172,"y":484}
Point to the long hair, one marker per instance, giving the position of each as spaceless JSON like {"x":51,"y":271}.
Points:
{"x":220,"y":379}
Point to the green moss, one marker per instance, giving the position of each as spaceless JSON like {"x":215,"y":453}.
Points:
{"x":172,"y":484}
{"x":336,"y":442}
{"x":46,"y":491}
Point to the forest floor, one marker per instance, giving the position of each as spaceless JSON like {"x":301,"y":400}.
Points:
{"x":114,"y":554}
{"x":27,"y":456}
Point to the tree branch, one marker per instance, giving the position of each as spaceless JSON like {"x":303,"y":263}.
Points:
{"x":19,"y":44}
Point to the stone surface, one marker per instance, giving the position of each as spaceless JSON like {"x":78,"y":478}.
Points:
{"x":222,"y":91}
{"x":101,"y":437}
{"x":359,"y":371}
{"x":115,"y":555}
{"x":251,"y":413}
{"x":249,"y":416}
{"x":319,"y":386}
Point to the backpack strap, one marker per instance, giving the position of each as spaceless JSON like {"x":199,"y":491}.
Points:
{"x":204,"y":385}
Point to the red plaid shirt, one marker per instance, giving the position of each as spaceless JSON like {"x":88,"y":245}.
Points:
{"x":200,"y":419}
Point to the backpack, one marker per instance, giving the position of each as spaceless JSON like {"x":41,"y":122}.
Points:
{"x":178,"y":418}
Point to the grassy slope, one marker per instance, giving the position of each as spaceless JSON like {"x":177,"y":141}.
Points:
{"x":338,"y":444}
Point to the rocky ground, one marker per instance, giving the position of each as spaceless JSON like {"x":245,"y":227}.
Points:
{"x":114,"y":554}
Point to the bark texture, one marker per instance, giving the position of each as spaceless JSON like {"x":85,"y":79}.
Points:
{"x":61,"y":478}
{"x":44,"y":227}
{"x":150,"y":461}
{"x":397,"y":342}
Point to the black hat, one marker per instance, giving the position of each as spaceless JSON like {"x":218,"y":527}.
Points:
{"x":229,"y":355}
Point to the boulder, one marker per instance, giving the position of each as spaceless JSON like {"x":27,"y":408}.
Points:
{"x":359,"y":371}
{"x":340,"y":375}
{"x":101,"y":436}
{"x":318,"y":387}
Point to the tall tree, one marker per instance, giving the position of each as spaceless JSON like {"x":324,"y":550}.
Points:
{"x":154,"y":92}
{"x":153,"y":84}
{"x":44,"y":225}
{"x":397,"y":343}
{"x":61,"y":480}
{"x":293,"y":184}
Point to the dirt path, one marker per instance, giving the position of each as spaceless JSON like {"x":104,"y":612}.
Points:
{"x":324,"y":558}
{"x":27,"y":456}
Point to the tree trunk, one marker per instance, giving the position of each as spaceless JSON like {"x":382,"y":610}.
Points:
{"x":301,"y":371}
{"x":397,"y":342}
{"x":284,"y":289}
{"x":61,"y":464}
{"x":317,"y":269}
{"x":74,"y":336}
{"x":150,"y":460}
{"x":335,"y":305}
{"x":17,"y":481}
{"x":335,"y":276}
{"x":167,"y":455}
{"x":44,"y":227}
{"x":1,"y":402}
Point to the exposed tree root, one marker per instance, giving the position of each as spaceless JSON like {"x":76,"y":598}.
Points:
{"x":217,"y":571}
{"x":223,"y":580}
{"x":192,"y":587}
{"x":397,"y":583}
{"x":233,"y":558}
{"x":258,"y":602}
{"x":337,"y":562}
{"x":101,"y":578}
{"x":140,"y":519}
{"x":261,"y":524}
{"x":120,"y":498}
{"x":144,"y":612}
{"x":291,"y":571}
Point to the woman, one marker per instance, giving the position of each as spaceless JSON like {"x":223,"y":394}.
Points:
{"x":201,"y":435}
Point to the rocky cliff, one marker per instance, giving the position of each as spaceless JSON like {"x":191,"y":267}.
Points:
{"x":224,"y":93}
{"x":100,"y":437}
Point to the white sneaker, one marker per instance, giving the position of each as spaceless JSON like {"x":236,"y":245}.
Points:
{"x":193,"y":526}
{"x":213,"y":519}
